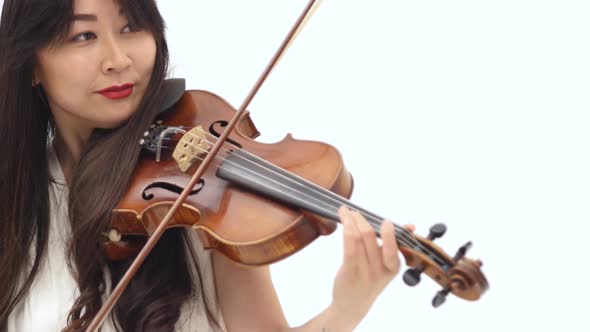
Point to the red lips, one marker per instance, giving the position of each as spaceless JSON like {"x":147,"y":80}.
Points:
{"x":116,"y":88}
{"x":117,"y":91}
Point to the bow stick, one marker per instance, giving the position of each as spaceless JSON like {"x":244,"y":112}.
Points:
{"x":116,"y":293}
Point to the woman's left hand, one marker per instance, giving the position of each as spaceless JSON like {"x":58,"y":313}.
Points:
{"x":367,"y":268}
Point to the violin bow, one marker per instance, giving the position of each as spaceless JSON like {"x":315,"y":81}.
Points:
{"x":153,"y":239}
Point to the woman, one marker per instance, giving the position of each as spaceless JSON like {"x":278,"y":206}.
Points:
{"x":63,"y":134}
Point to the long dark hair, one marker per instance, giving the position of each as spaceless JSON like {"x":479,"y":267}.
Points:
{"x":154,"y":298}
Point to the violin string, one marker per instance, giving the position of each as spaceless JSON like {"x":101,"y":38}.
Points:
{"x":377,"y":220}
{"x":250,"y":171}
{"x":371,"y":217}
{"x":375,"y":223}
{"x":403,"y":238}
{"x":408,"y":236}
{"x":403,"y":233}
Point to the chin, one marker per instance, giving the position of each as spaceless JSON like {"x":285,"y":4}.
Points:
{"x":111,"y":123}
{"x":111,"y":116}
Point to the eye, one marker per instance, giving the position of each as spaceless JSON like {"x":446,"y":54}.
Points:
{"x":130,"y":28}
{"x":84,"y":36}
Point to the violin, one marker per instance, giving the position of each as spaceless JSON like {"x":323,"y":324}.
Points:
{"x":256,"y":203}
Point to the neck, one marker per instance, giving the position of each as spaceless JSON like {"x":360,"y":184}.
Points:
{"x":68,"y":148}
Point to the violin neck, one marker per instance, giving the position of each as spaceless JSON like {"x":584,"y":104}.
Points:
{"x":258,"y":175}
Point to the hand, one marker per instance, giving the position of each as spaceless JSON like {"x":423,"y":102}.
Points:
{"x":367,"y":268}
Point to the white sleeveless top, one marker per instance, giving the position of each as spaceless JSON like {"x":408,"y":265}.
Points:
{"x":46,"y":306}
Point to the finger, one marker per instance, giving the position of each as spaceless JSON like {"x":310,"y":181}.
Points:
{"x":369,"y":243}
{"x":351,"y":238}
{"x":389,"y":248}
{"x":406,"y":233}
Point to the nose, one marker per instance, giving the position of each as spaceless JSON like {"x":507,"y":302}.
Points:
{"x":116,"y":58}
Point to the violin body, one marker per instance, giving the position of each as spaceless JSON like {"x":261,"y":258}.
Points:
{"x":246,"y":227}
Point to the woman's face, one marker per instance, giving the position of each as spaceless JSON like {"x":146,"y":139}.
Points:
{"x":103,"y":49}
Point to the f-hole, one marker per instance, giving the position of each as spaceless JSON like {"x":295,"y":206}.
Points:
{"x":170,"y":187}
{"x":222,"y":124}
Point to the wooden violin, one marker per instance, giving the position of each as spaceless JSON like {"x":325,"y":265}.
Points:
{"x":256,"y":203}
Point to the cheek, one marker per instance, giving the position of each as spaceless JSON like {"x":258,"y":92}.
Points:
{"x":65,"y":77}
{"x":145,"y":57}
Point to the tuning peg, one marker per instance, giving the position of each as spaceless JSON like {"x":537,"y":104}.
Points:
{"x":437,"y":231}
{"x":440,"y":297}
{"x":412,"y":276}
{"x":462,"y":251}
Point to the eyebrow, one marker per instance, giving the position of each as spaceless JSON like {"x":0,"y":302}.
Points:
{"x":90,"y":17}
{"x":85,"y":17}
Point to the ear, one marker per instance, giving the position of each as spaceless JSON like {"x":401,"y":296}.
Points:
{"x":36,"y":81}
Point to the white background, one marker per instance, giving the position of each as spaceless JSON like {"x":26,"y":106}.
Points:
{"x":470,"y":113}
